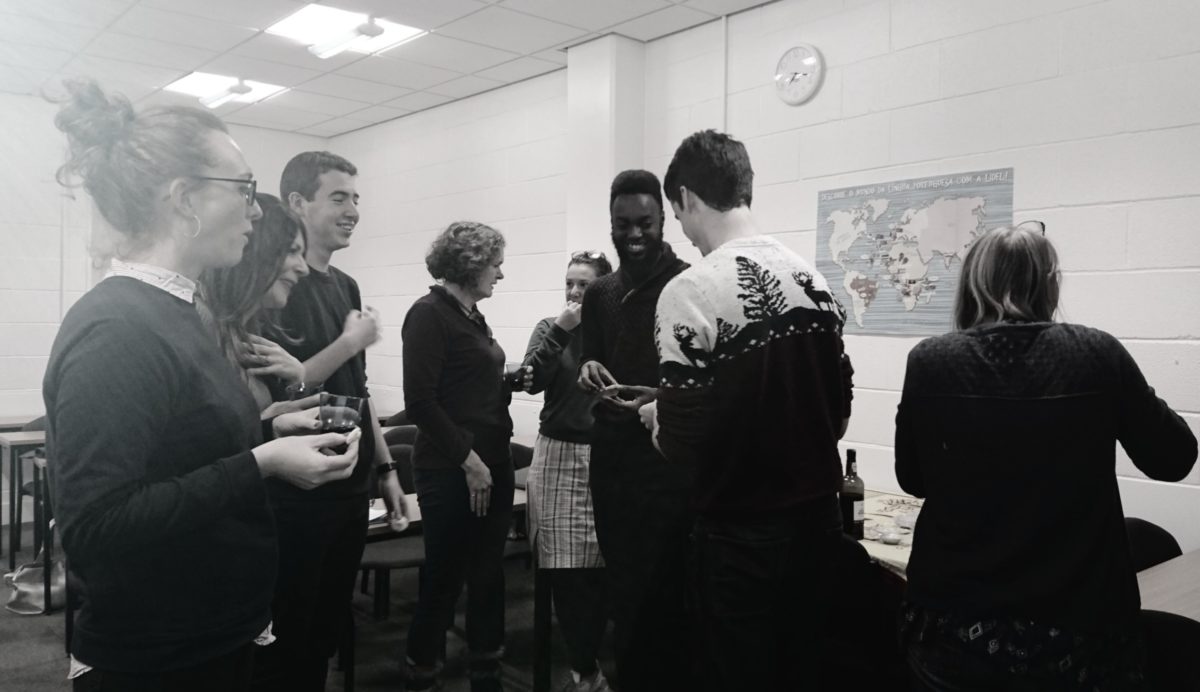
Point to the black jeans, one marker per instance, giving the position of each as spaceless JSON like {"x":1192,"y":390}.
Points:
{"x":228,"y":673}
{"x":461,"y":548}
{"x":642,"y":524}
{"x":320,"y":548}
{"x":761,"y":591}
{"x":581,"y":605}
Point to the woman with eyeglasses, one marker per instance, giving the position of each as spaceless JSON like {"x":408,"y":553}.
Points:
{"x":155,"y":447}
{"x":455,"y":393}
{"x":562,"y":528}
{"x":1020,"y":576}
{"x":240,"y":304}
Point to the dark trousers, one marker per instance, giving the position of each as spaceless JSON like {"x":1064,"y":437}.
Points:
{"x":229,"y":673}
{"x":761,"y":591}
{"x":581,"y":604}
{"x":320,"y":548}
{"x":461,"y":548}
{"x":642,"y":524}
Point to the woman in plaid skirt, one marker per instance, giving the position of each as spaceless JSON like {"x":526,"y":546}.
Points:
{"x":562,"y":529}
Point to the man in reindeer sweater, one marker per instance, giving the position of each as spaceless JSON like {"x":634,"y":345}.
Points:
{"x":754,"y":394}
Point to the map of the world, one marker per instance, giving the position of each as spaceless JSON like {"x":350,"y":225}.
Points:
{"x":891,"y":251}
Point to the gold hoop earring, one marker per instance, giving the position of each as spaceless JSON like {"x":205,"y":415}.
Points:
{"x":199,"y":227}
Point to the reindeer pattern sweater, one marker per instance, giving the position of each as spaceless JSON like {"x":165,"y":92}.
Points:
{"x":754,"y":381}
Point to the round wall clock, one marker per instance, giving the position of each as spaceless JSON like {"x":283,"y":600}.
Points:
{"x":798,"y":74}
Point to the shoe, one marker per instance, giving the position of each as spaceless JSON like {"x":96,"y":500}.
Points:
{"x":592,"y":683}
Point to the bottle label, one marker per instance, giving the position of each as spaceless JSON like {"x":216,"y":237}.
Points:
{"x":859,"y":511}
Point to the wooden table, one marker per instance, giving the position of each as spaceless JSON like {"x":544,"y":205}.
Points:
{"x":12,"y":446}
{"x":881,"y":510}
{"x":379,"y":530}
{"x":15,"y":423}
{"x":1173,"y":586}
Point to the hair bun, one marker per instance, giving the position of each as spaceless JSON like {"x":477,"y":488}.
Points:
{"x":91,"y":118}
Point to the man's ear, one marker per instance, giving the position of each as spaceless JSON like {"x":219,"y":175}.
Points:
{"x":295,"y":203}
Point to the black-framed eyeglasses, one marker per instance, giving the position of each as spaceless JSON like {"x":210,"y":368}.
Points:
{"x":587,"y":254}
{"x":248,"y":186}
{"x":1035,"y":225}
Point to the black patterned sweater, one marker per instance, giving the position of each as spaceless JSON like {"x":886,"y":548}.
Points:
{"x":618,"y":331}
{"x":754,"y":381}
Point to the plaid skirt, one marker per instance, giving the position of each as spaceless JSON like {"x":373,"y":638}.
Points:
{"x":562,"y":527}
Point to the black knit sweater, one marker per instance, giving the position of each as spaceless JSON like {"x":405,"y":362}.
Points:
{"x":162,"y":509}
{"x":618,"y":332}
{"x":1009,"y":433}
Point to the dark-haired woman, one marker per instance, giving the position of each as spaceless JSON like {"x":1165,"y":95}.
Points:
{"x":455,"y":394}
{"x":1020,"y":577}
{"x":562,"y":527}
{"x":239,"y":304}
{"x":156,"y":455}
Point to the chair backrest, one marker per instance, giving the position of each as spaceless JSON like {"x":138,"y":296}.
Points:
{"x":522,"y":455}
{"x":400,"y":418}
{"x":1171,"y":644}
{"x":36,"y":425}
{"x":402,"y":455}
{"x":1149,"y":543}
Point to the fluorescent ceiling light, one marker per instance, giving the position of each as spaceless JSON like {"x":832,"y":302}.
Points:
{"x":230,"y":93}
{"x":328,"y":31}
{"x":215,"y":89}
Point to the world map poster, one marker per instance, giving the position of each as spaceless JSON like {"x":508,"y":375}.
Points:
{"x":892,"y":251}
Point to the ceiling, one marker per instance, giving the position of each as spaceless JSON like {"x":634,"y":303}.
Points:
{"x":139,"y":46}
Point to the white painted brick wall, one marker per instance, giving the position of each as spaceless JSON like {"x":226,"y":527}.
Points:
{"x":1085,"y":99}
{"x":498,"y":158}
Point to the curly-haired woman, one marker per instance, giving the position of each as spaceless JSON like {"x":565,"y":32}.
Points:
{"x":454,"y":393}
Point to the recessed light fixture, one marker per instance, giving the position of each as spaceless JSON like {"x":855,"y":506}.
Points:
{"x":215,"y":89}
{"x":328,"y":31}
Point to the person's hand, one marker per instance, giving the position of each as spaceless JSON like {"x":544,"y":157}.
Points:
{"x":265,"y":357}
{"x":361,"y":328}
{"x":526,"y":380}
{"x":648,"y":414}
{"x":302,"y":461}
{"x":393,"y":497}
{"x":628,"y":396}
{"x":301,"y":422}
{"x":569,"y":318}
{"x":479,"y":483}
{"x":594,"y":377}
{"x":281,"y":407}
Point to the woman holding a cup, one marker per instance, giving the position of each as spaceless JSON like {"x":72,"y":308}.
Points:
{"x":156,"y":458}
{"x":454,"y":393}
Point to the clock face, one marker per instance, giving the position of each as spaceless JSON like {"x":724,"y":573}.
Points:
{"x":798,"y":74}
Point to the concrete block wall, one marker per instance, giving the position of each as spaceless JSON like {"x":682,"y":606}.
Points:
{"x":498,"y":158}
{"x":45,"y":234}
{"x":1083,"y":98}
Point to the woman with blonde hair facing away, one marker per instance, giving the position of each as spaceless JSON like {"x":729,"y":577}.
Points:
{"x":157,"y":463}
{"x":562,"y":528}
{"x":455,"y":394}
{"x":1020,"y":576}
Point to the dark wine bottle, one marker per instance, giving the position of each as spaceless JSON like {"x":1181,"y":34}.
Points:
{"x":852,"y":497}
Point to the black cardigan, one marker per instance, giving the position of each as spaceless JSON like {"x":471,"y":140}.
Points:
{"x":162,"y":509}
{"x":1009,"y":433}
{"x":453,"y":386}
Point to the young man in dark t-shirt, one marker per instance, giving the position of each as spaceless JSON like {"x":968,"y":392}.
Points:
{"x":322,"y":532}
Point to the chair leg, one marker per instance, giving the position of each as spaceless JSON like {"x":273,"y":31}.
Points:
{"x":383,"y":593}
{"x":347,"y":653}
